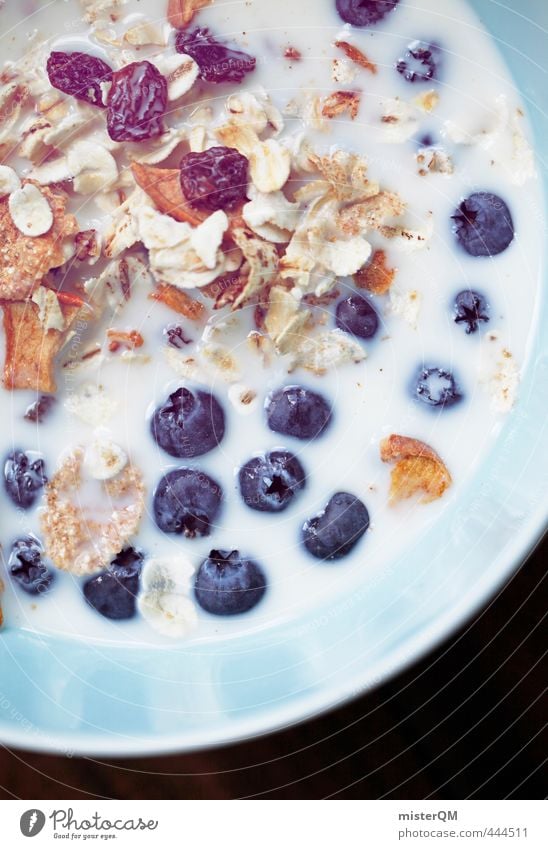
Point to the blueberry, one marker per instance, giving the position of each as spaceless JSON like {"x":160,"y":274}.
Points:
{"x":483,"y":224}
{"x":40,"y":408}
{"x":227,"y":584}
{"x":420,"y":63}
{"x":437,"y":387}
{"x":357,"y":316}
{"x":269,"y":482}
{"x":469,"y":309}
{"x":113,"y":593}
{"x":27,"y":567}
{"x":189,"y":423}
{"x":23,"y":478}
{"x":364,"y":13}
{"x":187,"y":502}
{"x":334,"y":532}
{"x":296,"y":411}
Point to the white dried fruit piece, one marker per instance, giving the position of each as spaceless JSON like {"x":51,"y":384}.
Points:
{"x":93,"y":168}
{"x":84,"y":526}
{"x":9,"y":181}
{"x":220,"y":362}
{"x":255,"y":111}
{"x":432,"y":160}
{"x":243,"y":399}
{"x":406,"y":304}
{"x":271,"y":215}
{"x":343,"y":257}
{"x":522,"y":166}
{"x":50,"y":313}
{"x":104,"y":459}
{"x":92,"y":405}
{"x":427,"y":101}
{"x":13,"y":96}
{"x":55,"y":171}
{"x":398,"y":120}
{"x":114,"y":286}
{"x":285,"y":320}
{"x":326,"y":351}
{"x":182,"y":364}
{"x":164,"y":599}
{"x":485,"y":137}
{"x":207,"y":238}
{"x":100,"y":10}
{"x":30,"y":211}
{"x":342,"y":71}
{"x":269,"y":166}
{"x":370,"y":214}
{"x":500,"y":374}
{"x":407,"y":239}
{"x":143,"y":33}
{"x":180,"y":71}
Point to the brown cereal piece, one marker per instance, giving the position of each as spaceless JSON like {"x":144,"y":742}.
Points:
{"x":418,"y":468}
{"x":226,"y":289}
{"x":84,"y":539}
{"x":340,"y":102}
{"x":376,"y":276}
{"x":355,"y":55}
{"x":25,"y":260}
{"x":31,"y":351}
{"x":181,"y":12}
{"x":87,"y":245}
{"x":178,"y":301}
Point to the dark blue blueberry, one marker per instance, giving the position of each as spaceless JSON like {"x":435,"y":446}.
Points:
{"x":113,"y":593}
{"x":364,"y":13}
{"x":227,"y":584}
{"x":420,"y":63}
{"x":23,"y":478}
{"x":437,"y":387}
{"x":356,"y":315}
{"x":40,"y":408}
{"x":296,"y":411}
{"x":187,"y":502}
{"x":483,"y":224}
{"x":27,"y":567}
{"x":470,"y":308}
{"x":334,"y":532}
{"x":269,"y":482}
{"x":189,"y":423}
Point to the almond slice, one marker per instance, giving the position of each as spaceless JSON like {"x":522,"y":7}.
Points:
{"x":418,"y":468}
{"x":181,"y":12}
{"x":178,"y":301}
{"x":163,"y":186}
{"x":356,"y":56}
{"x":30,"y":351}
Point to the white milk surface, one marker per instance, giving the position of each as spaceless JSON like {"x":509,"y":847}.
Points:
{"x":371,"y":399}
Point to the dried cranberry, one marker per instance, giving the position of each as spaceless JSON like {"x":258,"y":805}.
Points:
{"x":79,"y":74}
{"x":136,"y":103}
{"x":176,"y":336}
{"x":214,"y":179}
{"x":363,"y":13}
{"x":218,"y":62}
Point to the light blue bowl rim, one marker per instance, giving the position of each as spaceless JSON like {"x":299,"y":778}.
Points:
{"x":331,"y":640}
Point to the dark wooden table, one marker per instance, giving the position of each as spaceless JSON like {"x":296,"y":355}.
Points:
{"x":466,"y":721}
